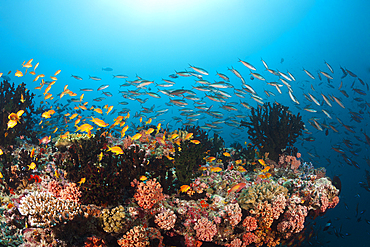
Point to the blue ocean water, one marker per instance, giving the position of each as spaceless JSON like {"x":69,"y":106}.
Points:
{"x":155,"y":39}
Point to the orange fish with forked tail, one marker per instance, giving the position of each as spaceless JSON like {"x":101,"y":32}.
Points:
{"x":236,"y":188}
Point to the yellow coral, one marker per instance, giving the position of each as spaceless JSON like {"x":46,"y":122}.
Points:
{"x":254,"y":194}
{"x":114,"y":219}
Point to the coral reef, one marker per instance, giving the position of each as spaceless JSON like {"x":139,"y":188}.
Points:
{"x":273,"y":128}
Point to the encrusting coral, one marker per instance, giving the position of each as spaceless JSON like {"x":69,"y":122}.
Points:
{"x":251,"y":196}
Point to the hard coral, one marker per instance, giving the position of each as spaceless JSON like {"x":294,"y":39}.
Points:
{"x":148,"y":194}
{"x":44,"y":210}
{"x":273,"y":128}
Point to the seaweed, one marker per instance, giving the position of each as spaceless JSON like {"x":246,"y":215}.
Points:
{"x":187,"y":159}
{"x":273,"y":128}
{"x":13,"y":99}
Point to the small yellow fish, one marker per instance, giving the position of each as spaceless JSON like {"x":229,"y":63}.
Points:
{"x":1,"y":175}
{"x":174,"y":136}
{"x":84,"y":128}
{"x":56,"y":73}
{"x":210,"y":159}
{"x":1,"y":152}
{"x":158,"y":127}
{"x":226,"y":154}
{"x":135,"y":137}
{"x":56,"y":174}
{"x":184,"y":188}
{"x":262,"y":162}
{"x":22,"y":99}
{"x":32,"y":153}
{"x":149,"y":121}
{"x":266,"y":169}
{"x":195,"y":141}
{"x":98,"y":110}
{"x":109,"y":109}
{"x":73,"y":116}
{"x":18,"y":73}
{"x":115,"y":150}
{"x":100,"y":156}
{"x":241,"y":169}
{"x":149,"y":131}
{"x":141,"y":119}
{"x":83,"y":180}
{"x":203,"y":168}
{"x":143,"y":178}
{"x":188,"y":136}
{"x":216,"y":169}
{"x":238,"y":162}
{"x":99,"y":122}
{"x":170,"y":158}
{"x":32,"y":166}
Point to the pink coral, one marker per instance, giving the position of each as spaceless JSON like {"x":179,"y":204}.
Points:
{"x":148,"y":194}
{"x":286,"y":160}
{"x":266,"y":212}
{"x":166,"y":220}
{"x":71,"y":192}
{"x":54,"y":188}
{"x":205,"y":229}
{"x":137,"y":236}
{"x":249,"y":238}
{"x":234,"y":212}
{"x":250,"y":223}
{"x":293,"y":221}
{"x":235,"y":243}
{"x":324,"y":203}
{"x":334,"y":202}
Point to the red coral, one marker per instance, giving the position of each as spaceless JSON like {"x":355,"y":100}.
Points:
{"x":250,"y":223}
{"x":334,"y":202}
{"x":54,"y":188}
{"x":148,"y":194}
{"x":293,"y":221}
{"x":95,"y":242}
{"x":249,"y":238}
{"x":71,"y":192}
{"x":205,"y":229}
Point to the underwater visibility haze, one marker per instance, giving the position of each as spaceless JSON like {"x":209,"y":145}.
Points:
{"x":184,"y":123}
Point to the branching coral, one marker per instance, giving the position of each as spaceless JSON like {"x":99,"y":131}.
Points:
{"x":273,"y":128}
{"x":44,"y":210}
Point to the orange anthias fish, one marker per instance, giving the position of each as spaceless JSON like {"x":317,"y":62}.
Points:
{"x":184,"y":188}
{"x":237,"y":187}
{"x":83,"y":180}
{"x":14,"y":118}
{"x":195,"y":141}
{"x":216,"y":169}
{"x":210,"y":159}
{"x":45,"y":140}
{"x":99,"y":122}
{"x":188,"y":136}
{"x":262,"y":162}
